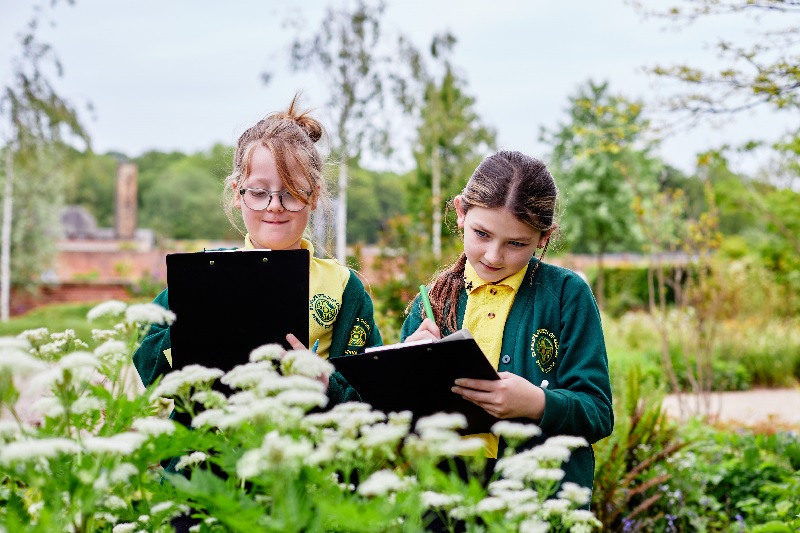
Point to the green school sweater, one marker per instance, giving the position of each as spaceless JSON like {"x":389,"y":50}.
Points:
{"x":355,"y":318}
{"x":553,"y":333}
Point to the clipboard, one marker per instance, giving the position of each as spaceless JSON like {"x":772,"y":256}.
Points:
{"x":417,"y":377}
{"x":229,"y":302}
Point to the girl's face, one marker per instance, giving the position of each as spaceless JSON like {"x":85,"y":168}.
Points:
{"x":497,"y":244}
{"x":274,"y":227}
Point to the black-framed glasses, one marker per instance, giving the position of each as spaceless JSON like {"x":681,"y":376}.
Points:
{"x":259,"y":199}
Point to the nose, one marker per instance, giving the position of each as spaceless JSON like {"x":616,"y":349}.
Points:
{"x":277,"y":205}
{"x":493,"y":255}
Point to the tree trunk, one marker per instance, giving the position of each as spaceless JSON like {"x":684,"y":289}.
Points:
{"x":5,"y":237}
{"x":436,"y":227}
{"x":341,"y":212}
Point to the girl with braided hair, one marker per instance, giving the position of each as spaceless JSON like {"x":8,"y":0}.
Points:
{"x":537,"y":323}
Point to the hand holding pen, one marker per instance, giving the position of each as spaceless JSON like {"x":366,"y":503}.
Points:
{"x":428,"y":328}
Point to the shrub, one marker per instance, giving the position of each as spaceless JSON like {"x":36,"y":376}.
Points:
{"x":266,"y":458}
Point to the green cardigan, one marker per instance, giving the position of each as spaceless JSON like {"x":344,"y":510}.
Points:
{"x":356,"y":310}
{"x":553,"y":333}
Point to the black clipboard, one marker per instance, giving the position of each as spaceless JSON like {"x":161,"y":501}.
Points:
{"x":417,"y":377}
{"x":227,"y":303}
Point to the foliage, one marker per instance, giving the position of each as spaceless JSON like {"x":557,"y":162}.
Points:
{"x":601,"y":162}
{"x":626,"y":485}
{"x":37,"y":123}
{"x":372,"y":199}
{"x":450,"y":138}
{"x":183,"y":199}
{"x":265,"y":458}
{"x":732,"y":480}
{"x":346,"y":50}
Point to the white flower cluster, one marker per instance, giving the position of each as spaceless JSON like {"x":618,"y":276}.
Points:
{"x":180,"y":381}
{"x":383,"y":482}
{"x":305,"y":363}
{"x":15,"y":360}
{"x":146,"y":314}
{"x":110,"y":308}
{"x":277,"y":452}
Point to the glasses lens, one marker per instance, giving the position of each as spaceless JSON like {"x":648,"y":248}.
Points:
{"x":291,"y":203}
{"x":256,"y":199}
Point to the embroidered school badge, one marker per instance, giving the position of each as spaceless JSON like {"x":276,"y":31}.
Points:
{"x":324,"y":309}
{"x":358,"y":336}
{"x":544,"y":349}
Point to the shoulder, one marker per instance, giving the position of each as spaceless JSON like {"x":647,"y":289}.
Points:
{"x":561,"y":281}
{"x":330,"y":270}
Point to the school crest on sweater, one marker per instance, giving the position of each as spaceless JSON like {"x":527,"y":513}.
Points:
{"x":544,"y":349}
{"x":324,"y":309}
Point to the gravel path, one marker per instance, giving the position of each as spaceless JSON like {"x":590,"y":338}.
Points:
{"x":749,"y":408}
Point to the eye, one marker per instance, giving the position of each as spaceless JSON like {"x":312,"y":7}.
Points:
{"x":257,"y":193}
{"x":517,"y":244}
{"x":481,"y":234}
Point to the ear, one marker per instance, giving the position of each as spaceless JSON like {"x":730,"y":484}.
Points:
{"x":461,"y":212}
{"x":544,"y":238}
{"x":237,"y":198}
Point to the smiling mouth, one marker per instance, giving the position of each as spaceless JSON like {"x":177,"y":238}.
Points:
{"x":487,"y":267}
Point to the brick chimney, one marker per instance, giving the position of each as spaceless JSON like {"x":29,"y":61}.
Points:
{"x":125,"y":201}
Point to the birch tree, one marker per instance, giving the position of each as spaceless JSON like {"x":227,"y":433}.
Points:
{"x":346,"y":52}
{"x":36,"y":124}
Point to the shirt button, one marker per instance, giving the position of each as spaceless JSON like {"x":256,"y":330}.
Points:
{"x":506,"y":359}
{"x":490,"y":315}
{"x":492,"y":291}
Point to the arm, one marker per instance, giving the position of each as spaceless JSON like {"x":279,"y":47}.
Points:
{"x":149,"y":357}
{"x":581,"y":404}
{"x":353,"y":331}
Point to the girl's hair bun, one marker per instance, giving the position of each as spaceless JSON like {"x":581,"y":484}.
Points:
{"x":309,"y":125}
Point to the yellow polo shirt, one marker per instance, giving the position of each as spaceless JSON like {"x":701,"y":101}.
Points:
{"x":488,"y":306}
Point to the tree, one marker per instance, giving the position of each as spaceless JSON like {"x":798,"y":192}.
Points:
{"x":37,"y":123}
{"x":346,"y":50}
{"x":597,"y":158}
{"x":451,"y":140}
{"x":764,"y":72}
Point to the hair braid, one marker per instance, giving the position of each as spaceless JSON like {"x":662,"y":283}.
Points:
{"x":445,"y":292}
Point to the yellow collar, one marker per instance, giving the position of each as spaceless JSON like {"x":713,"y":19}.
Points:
{"x":472,"y":281}
{"x":305,"y":244}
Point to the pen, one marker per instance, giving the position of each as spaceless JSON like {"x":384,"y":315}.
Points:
{"x":423,"y":292}
{"x":316,"y":345}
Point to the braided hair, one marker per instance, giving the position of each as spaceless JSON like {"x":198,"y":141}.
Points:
{"x":520,"y":183}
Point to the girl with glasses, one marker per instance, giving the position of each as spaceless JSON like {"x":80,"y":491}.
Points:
{"x":276,"y":186}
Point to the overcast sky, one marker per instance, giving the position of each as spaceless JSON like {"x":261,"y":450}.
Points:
{"x":185,"y":74}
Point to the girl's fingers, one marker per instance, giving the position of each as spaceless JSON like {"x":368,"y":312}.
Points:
{"x":294,"y":342}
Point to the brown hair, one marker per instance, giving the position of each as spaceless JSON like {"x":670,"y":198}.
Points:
{"x":291,"y":136}
{"x":520,"y":183}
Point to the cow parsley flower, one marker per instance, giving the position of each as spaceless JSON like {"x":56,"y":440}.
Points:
{"x":209,"y":398}
{"x":575,"y":493}
{"x":181,"y":380}
{"x":515,"y":430}
{"x":534,"y":525}
{"x":249,"y":375}
{"x":16,"y":362}
{"x":276,"y":452}
{"x":382,"y":434}
{"x":110,"y":308}
{"x":154,"y":426}
{"x":305,"y":363}
{"x":303,"y":398}
{"x":267,"y":352}
{"x":441,"y":421}
{"x":111,"y":350}
{"x":43,"y":448}
{"x":192,"y":459}
{"x":120,"y":444}
{"x":123,"y":472}
{"x":35,"y":336}
{"x":433,"y":500}
{"x":568,"y":441}
{"x":491,"y":504}
{"x":102,"y":335}
{"x":383,"y":482}
{"x":146,"y":314}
